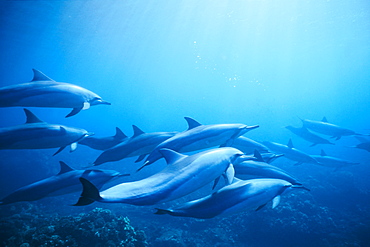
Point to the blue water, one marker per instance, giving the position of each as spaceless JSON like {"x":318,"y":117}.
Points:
{"x":253,"y":62}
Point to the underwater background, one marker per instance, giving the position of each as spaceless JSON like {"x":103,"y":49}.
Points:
{"x":252,"y":62}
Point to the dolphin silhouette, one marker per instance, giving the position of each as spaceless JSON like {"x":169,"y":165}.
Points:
{"x":103,"y":143}
{"x":364,"y":144}
{"x":260,"y":168}
{"x":65,"y":182}
{"x":236,"y":197}
{"x":183,"y":175}
{"x":140,"y":144}
{"x":307,"y":135}
{"x":326,"y":128}
{"x":45,"y":92}
{"x":36,"y":134}
{"x":290,"y":152}
{"x":324,"y":160}
{"x":198,"y":137}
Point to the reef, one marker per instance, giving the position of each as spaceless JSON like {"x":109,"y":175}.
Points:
{"x":99,"y":227}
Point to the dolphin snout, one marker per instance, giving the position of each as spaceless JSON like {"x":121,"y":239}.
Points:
{"x":103,"y":102}
{"x":252,"y":127}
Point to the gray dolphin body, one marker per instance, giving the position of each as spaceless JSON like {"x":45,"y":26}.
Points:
{"x":199,"y":136}
{"x":364,"y":144}
{"x":65,"y":182}
{"x":324,"y":160}
{"x":290,"y":152}
{"x":36,"y":134}
{"x":45,"y":92}
{"x":248,"y":146}
{"x":104,"y":143}
{"x":236,"y":197}
{"x":262,"y":169}
{"x":307,"y":135}
{"x":140,"y":144}
{"x":325,"y":128}
{"x":183,"y":175}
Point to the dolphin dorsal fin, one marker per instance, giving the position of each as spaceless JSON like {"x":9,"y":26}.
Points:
{"x":258,"y":156}
{"x":171,"y":156}
{"x":119,"y":134}
{"x":290,"y":143}
{"x":192,"y":123}
{"x":323,"y":152}
{"x":31,"y":118}
{"x":64,"y":168}
{"x":39,"y":76}
{"x":324,"y":120}
{"x":137,"y":131}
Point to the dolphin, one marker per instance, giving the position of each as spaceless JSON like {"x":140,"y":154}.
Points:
{"x":45,"y":92}
{"x":248,"y":146}
{"x":65,"y":182}
{"x":326,"y":128}
{"x":236,"y":197}
{"x":183,"y":175}
{"x":198,"y":137}
{"x":103,"y":143}
{"x":307,"y":135}
{"x":290,"y":152}
{"x":36,"y":134}
{"x":324,"y":160}
{"x":140,"y":144}
{"x":364,"y":144}
{"x":261,"y":169}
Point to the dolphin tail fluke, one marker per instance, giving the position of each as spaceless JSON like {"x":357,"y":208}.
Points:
{"x":89,"y":194}
{"x":74,"y":112}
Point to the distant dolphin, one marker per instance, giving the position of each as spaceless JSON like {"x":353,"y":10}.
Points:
{"x":290,"y":152}
{"x":325,"y":128}
{"x":66,"y":181}
{"x":198,"y":137}
{"x":236,"y":197}
{"x":45,"y":92}
{"x":103,"y":143}
{"x":248,"y":146}
{"x":183,"y":175}
{"x":140,"y":144}
{"x":324,"y":160}
{"x":259,"y":168}
{"x":36,"y":134}
{"x":364,"y":144}
{"x":305,"y":134}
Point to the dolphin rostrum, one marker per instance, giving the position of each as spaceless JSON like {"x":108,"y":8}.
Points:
{"x":236,"y":197}
{"x":183,"y":175}
{"x":199,"y":136}
{"x":140,"y":144}
{"x":307,"y":135}
{"x":36,"y":134}
{"x":66,"y":181}
{"x":326,"y":128}
{"x":45,"y":92}
{"x":290,"y":152}
{"x":104,"y":143}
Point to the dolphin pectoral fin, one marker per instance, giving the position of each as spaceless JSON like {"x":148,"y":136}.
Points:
{"x":144,"y":165}
{"x":59,"y":150}
{"x":338,"y":137}
{"x":215,"y":183}
{"x":313,"y":144}
{"x":230,"y":172}
{"x":73,"y":147}
{"x":140,"y":158}
{"x":89,"y":193}
{"x":162,"y":211}
{"x":260,"y":207}
{"x":275,"y":201}
{"x":86,"y":106}
{"x":74,"y":111}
